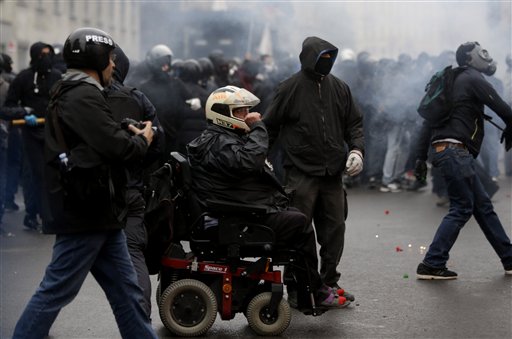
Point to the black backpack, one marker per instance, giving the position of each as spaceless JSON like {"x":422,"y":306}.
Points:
{"x":436,"y":105}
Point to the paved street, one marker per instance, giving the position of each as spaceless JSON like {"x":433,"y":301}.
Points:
{"x":387,"y":234}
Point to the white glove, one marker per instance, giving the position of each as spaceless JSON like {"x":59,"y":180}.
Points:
{"x":194,"y":103}
{"x":354,"y":164}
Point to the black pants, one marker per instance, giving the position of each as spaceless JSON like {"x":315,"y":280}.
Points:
{"x":322,"y":200}
{"x":294,"y":232}
{"x":136,"y":239}
{"x":33,"y":157}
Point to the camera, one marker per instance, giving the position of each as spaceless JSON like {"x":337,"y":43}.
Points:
{"x":127,"y":122}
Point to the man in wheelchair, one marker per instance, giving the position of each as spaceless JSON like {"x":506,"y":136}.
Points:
{"x":228,"y":163}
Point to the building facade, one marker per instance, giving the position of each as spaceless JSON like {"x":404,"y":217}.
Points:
{"x":24,"y":22}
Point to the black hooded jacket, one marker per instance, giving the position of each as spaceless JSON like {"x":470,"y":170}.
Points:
{"x":471,"y":92}
{"x":30,"y":88}
{"x":315,"y":116}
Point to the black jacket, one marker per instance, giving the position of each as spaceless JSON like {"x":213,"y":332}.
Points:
{"x":471,"y":92}
{"x":23,"y":93}
{"x":191,"y":123}
{"x":315,"y":116}
{"x":229,"y":166}
{"x":128,"y":102}
{"x":169,"y":96}
{"x":97,"y":150}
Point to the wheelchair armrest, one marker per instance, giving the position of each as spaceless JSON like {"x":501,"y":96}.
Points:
{"x":222,"y":206}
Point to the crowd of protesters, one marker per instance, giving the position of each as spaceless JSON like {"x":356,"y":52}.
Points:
{"x":47,"y":113}
{"x":386,"y":90}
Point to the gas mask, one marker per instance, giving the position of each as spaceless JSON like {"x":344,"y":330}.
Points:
{"x":323,"y":65}
{"x":481,"y":60}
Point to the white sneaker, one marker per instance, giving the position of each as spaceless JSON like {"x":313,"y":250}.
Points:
{"x":508,"y":272}
{"x":392,"y":187}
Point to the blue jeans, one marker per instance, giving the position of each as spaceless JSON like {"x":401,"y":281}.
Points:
{"x":105,"y":255}
{"x":467,"y":198}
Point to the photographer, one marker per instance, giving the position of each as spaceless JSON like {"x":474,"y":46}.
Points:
{"x":130,"y":106}
{"x":85,"y":154}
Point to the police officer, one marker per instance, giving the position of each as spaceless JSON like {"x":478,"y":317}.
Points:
{"x":193,"y":123}
{"x":456,"y":143}
{"x":171,"y":98}
{"x":85,"y":150}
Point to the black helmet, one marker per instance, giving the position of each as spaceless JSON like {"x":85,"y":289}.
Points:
{"x":206,"y":67}
{"x":88,"y":48}
{"x":158,"y":56}
{"x":122,"y":64}
{"x":176,"y":66}
{"x":190,"y":71}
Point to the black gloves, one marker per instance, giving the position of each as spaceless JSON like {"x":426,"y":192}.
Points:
{"x":507,"y":137}
{"x":420,"y":170}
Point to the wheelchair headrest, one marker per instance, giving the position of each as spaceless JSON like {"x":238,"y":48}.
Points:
{"x":182,"y":169}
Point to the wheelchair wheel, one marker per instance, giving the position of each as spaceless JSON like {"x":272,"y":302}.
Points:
{"x":268,"y":324}
{"x":188,"y":308}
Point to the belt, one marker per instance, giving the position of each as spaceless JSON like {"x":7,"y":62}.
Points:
{"x":441,"y":146}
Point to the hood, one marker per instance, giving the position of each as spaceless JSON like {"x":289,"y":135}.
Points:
{"x":122,"y":65}
{"x":76,"y":75}
{"x":312,"y":48}
{"x":35,"y":51}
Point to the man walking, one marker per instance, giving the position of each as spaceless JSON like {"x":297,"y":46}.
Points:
{"x":457,"y":142}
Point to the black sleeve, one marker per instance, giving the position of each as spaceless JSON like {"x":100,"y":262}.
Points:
{"x":12,"y":109}
{"x":353,"y":133}
{"x":274,"y":116}
{"x":486,"y":94}
{"x":88,"y":115}
{"x":242,"y":157}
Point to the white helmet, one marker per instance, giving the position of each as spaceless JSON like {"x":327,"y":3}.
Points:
{"x":222,"y":101}
{"x":158,"y":56}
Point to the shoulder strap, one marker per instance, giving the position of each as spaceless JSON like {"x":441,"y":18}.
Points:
{"x":52,"y":106}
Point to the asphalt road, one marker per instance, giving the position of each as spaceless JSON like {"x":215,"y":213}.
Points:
{"x":387,"y":234}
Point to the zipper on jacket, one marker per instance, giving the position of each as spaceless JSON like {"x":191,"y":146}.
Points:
{"x":322,"y":116}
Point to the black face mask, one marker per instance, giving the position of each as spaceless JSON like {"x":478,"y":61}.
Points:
{"x":160,"y":75}
{"x":44,"y":64}
{"x":323,"y":66}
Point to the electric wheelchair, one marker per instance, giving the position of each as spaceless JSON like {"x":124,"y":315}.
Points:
{"x":232,"y":267}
